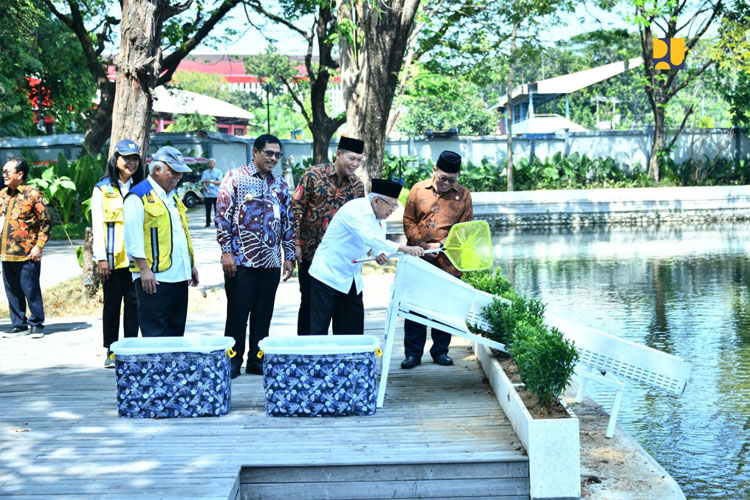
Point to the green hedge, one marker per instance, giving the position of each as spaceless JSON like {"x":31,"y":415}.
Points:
{"x":544,"y":357}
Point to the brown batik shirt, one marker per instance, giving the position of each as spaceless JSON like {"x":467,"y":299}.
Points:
{"x":25,"y":222}
{"x":316,"y":200}
{"x":429,"y":215}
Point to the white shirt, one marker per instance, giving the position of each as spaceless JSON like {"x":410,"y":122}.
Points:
{"x":352,"y":232}
{"x":97,"y":219}
{"x":134,"y":246}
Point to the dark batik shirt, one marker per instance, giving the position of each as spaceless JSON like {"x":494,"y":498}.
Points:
{"x":254,"y":218}
{"x":24,"y":222}
{"x":316,"y":200}
{"x":429,"y":216}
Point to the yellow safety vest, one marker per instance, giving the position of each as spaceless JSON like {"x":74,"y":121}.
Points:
{"x":157,"y":229}
{"x":114,"y":225}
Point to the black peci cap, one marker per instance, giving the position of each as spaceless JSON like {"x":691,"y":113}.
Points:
{"x":449,"y":162}
{"x":351,"y":144}
{"x":386,"y":188}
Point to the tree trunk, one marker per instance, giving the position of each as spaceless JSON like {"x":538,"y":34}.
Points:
{"x":99,"y":124}
{"x":369,"y":72}
{"x":509,"y":109}
{"x":90,"y":277}
{"x":657,"y":149}
{"x":137,"y":70}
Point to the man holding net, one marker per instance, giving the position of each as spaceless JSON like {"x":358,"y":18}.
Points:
{"x":433,"y":207}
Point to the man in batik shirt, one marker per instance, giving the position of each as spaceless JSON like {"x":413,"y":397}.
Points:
{"x":433,"y":207}
{"x":255,"y":229}
{"x":25,"y":226}
{"x":322,"y":190}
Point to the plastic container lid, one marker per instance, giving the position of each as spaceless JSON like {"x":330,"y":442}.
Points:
{"x":319,"y":344}
{"x":153,"y":345}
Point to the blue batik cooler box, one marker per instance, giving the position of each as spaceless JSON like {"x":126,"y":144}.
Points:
{"x":320,"y":375}
{"x":159,"y":377}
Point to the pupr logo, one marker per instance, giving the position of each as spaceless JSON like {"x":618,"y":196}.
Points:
{"x":669,"y":53}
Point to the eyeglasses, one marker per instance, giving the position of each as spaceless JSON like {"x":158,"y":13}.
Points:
{"x":273,"y":154}
{"x":445,"y":178}
{"x":392,"y":206}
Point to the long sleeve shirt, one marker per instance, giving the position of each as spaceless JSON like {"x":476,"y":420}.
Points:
{"x":254,"y":218}
{"x":25,"y":222}
{"x":429,"y":216}
{"x":181,"y":267}
{"x":353,"y":231}
{"x":97,"y":219}
{"x":316,"y":200}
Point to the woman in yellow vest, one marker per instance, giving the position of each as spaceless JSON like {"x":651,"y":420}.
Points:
{"x":124,"y":169}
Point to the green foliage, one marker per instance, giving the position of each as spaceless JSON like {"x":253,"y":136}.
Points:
{"x":200,"y":83}
{"x":67,"y":186}
{"x":36,"y":45}
{"x":442,"y":102}
{"x":407,"y":168}
{"x":545,"y":359}
{"x":192,"y":122}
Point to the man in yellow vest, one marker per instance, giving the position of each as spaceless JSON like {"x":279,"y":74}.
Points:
{"x":158,"y":240}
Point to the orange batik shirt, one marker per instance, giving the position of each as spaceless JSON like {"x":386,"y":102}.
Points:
{"x":24,"y":222}
{"x":429,"y":215}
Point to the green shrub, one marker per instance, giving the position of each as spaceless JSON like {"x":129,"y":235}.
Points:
{"x":545,"y":360}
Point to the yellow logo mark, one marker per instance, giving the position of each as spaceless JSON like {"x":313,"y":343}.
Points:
{"x":669,"y":53}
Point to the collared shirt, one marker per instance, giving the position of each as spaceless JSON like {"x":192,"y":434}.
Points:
{"x":255,"y":218}
{"x":24,"y":222}
{"x":352,"y":232}
{"x":97,"y":218}
{"x":211,"y":174}
{"x":134,"y":245}
{"x":316,"y":200}
{"x":429,"y":216}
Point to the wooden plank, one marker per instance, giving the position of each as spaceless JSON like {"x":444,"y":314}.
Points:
{"x":403,"y":472}
{"x":374,"y":490}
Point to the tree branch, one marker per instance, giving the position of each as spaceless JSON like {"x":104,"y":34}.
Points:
{"x":258,"y":7}
{"x":688,"y":80}
{"x":297,"y":100}
{"x":169,"y":64}
{"x":682,"y":127}
{"x":75,"y":23}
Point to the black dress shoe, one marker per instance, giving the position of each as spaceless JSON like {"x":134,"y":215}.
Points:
{"x":254,"y":368}
{"x":410,"y":362}
{"x":16,"y":331}
{"x":443,"y":360}
{"x":234,"y":372}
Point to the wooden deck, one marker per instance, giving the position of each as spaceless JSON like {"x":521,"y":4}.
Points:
{"x":60,"y":436}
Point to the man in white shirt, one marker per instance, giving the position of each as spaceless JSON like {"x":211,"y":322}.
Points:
{"x":158,"y":240}
{"x":336,"y":288}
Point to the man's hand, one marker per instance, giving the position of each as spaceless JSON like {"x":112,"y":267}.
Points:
{"x":102,"y":269}
{"x":430,"y":246}
{"x":298,"y":253}
{"x":381,"y":259}
{"x":415,"y":251}
{"x":287,"y":270}
{"x":194,"y":273}
{"x":36,"y":254}
{"x":228,"y":264}
{"x":148,"y":281}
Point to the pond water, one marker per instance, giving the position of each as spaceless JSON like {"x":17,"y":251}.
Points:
{"x":685,"y":291}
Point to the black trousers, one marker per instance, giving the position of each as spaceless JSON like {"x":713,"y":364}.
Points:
{"x":209,"y":202}
{"x":118,"y":289}
{"x":305,"y":280}
{"x":21,"y":281}
{"x":162,"y":314}
{"x":415,"y":336}
{"x":346,"y":310}
{"x":251,"y":293}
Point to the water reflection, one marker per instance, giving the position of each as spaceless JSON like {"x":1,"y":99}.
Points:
{"x":681,"y":290}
